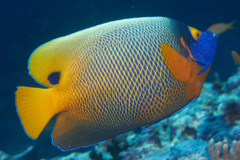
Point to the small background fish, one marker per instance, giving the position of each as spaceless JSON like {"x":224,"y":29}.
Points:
{"x":220,"y":28}
{"x":236,"y":57}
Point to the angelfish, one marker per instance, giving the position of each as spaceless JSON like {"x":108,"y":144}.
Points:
{"x":109,"y":79}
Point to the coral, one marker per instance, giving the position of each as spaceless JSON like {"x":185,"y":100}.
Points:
{"x":215,"y":154}
{"x":234,"y":133}
{"x":4,"y":156}
{"x":136,"y":154}
{"x":74,"y":156}
{"x":233,"y":82}
{"x":189,"y":149}
{"x":209,"y":128}
{"x":143,"y":144}
{"x":231,"y":111}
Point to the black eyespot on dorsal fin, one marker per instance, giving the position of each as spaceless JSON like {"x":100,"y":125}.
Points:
{"x":54,"y":78}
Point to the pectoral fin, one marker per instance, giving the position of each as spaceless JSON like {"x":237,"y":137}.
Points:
{"x":180,"y":67}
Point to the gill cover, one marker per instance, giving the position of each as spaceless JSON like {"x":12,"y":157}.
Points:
{"x":200,"y":48}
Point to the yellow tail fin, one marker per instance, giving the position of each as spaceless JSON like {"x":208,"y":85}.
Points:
{"x":230,"y":25}
{"x":35,"y":107}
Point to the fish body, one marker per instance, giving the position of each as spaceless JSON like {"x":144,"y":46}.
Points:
{"x":112,"y":78}
{"x":220,"y":28}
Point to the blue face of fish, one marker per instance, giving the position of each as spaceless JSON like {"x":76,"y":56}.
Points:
{"x":201,"y":48}
{"x":204,"y":50}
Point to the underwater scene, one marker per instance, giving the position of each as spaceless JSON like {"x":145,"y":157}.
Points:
{"x":120,"y":80}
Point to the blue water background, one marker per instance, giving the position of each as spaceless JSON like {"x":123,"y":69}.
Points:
{"x":24,"y":25}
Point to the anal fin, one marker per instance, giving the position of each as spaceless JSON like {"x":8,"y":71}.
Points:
{"x":70,"y":132}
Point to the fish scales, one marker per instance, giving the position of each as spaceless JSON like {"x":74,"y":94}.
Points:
{"x":112,"y":78}
{"x":111,"y":92}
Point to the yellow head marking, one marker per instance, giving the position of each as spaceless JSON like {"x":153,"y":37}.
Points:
{"x":195,"y":33}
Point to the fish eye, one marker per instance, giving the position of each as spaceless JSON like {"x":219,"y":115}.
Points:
{"x":195,"y":33}
{"x":54,"y":78}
